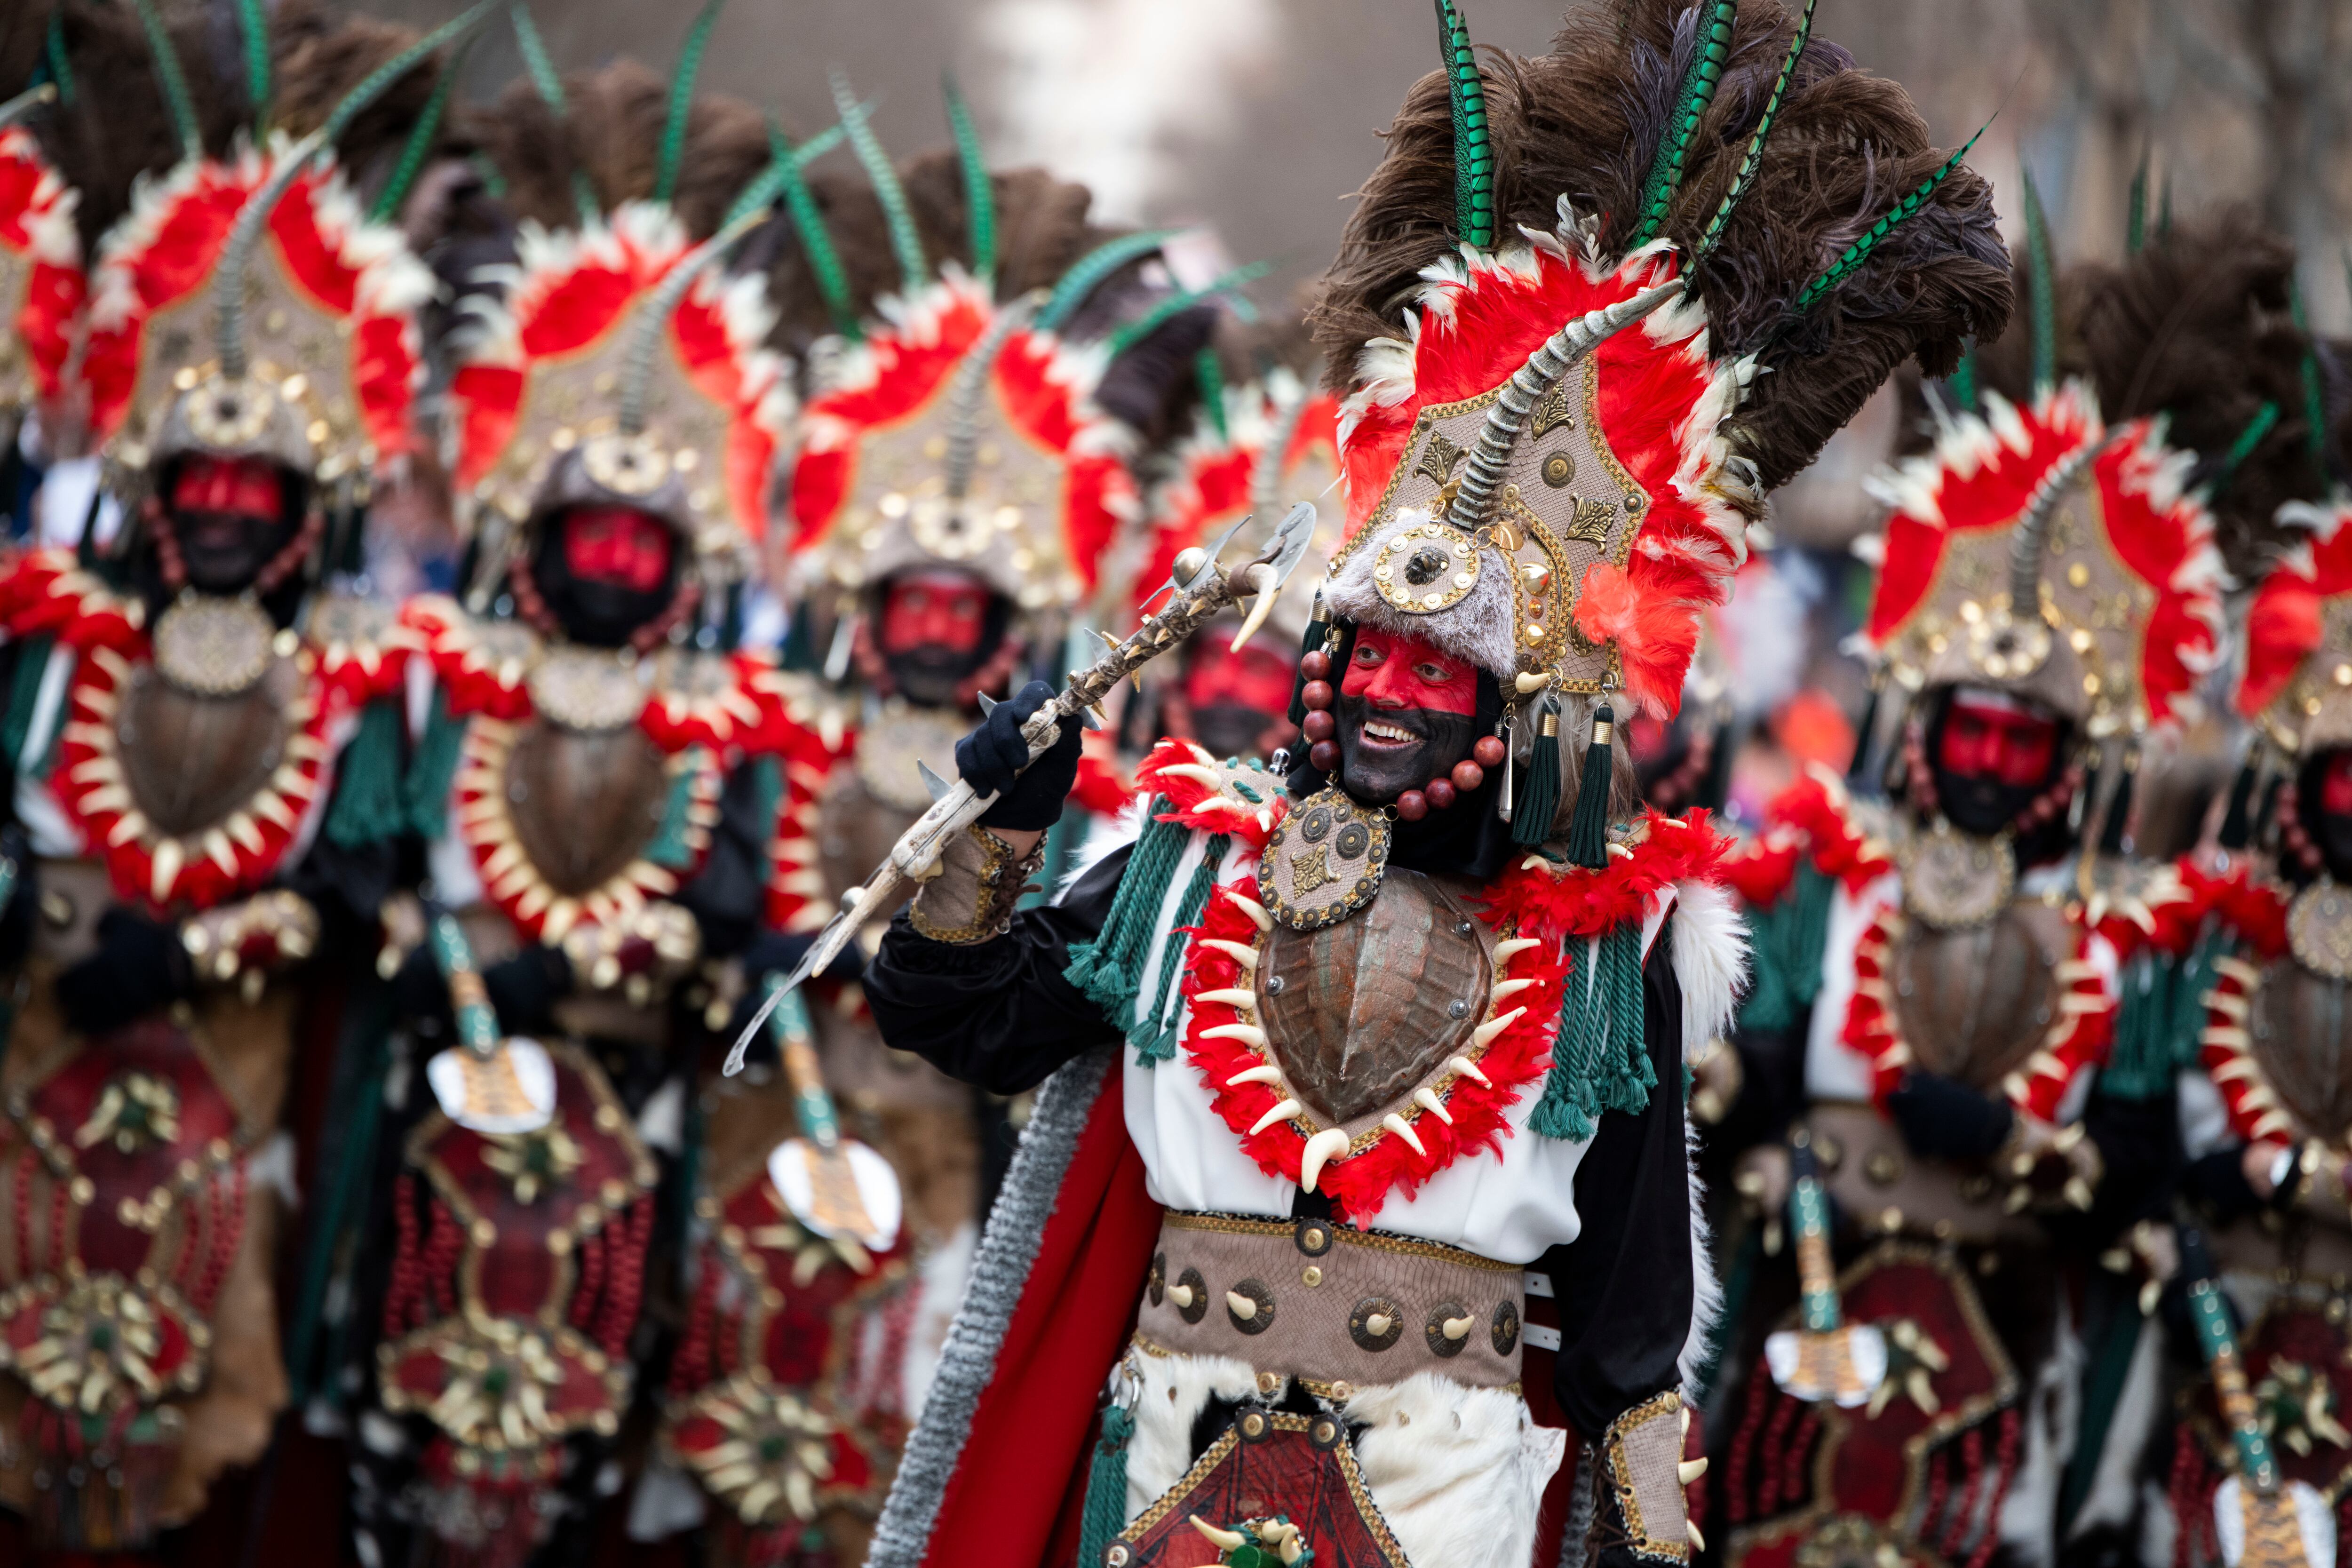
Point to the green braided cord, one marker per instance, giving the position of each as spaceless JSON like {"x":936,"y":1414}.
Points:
{"x":979,"y":193}
{"x":816,"y":241}
{"x":1088,"y":273}
{"x":823,"y":142}
{"x":422,"y":136}
{"x":367,"y":804}
{"x":1600,"y":1059}
{"x":1151,"y":320}
{"x":23,"y":695}
{"x":1854,"y":255}
{"x":1474,"y":145}
{"x":1569,"y":1103}
{"x":1627,"y":1077}
{"x":2164,"y":211}
{"x":2136,"y":219}
{"x":1753,"y":158}
{"x":1104,"y":1513}
{"x":175,"y":82}
{"x":1155,"y":1039}
{"x":255,"y":22}
{"x":906,"y":240}
{"x":1787,"y":940}
{"x":549,"y":86}
{"x":1964,"y":378}
{"x":2257,"y":430}
{"x":2314,"y":401}
{"x":60,"y":67}
{"x":681,"y":100}
{"x":2041,"y":289}
{"x":1698,"y":91}
{"x":669,"y":847}
{"x":1109,"y":969}
{"x":425,"y":793}
{"x":373,"y":87}
{"x":1209,"y":373}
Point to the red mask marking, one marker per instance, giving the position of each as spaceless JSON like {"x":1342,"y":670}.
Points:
{"x":1388,"y":670}
{"x":617,"y":545}
{"x":2336,"y":786}
{"x":1257,"y":678}
{"x":933,"y":609}
{"x":242,"y":487}
{"x":1985,"y":742}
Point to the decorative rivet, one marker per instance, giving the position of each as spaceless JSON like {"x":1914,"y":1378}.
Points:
{"x":1274,"y":986}
{"x":1254,"y":1424}
{"x":1505,"y":1328}
{"x":1314,"y":1237}
{"x":1270,"y":1382}
{"x":1457,"y":1010}
{"x":1311,"y":1276}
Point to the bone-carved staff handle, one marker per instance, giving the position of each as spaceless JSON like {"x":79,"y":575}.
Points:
{"x":1200,"y":589}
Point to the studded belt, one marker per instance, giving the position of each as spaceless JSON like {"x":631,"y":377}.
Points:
{"x":1328,"y":1305}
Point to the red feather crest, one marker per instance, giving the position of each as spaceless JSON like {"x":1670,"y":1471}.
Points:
{"x":2285,"y":685}
{"x":42,"y":288}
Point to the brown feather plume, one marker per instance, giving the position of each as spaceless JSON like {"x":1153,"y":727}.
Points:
{"x":1584,"y":121}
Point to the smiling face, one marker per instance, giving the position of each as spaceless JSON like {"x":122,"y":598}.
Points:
{"x":229,"y":516}
{"x":1407,"y":713}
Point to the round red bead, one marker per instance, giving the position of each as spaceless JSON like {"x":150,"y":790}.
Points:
{"x":1412,"y":806}
{"x":1317,"y":694}
{"x":1468,"y":776}
{"x":1319,"y":724}
{"x":1488,"y":751}
{"x":1316,"y":666}
{"x":1439,"y":792}
{"x":1324,"y":756}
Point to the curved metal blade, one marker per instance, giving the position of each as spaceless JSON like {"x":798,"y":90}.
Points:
{"x":936,"y":786}
{"x":1284,"y":553}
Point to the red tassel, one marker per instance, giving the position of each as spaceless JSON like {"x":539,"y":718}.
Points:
{"x":2004,"y":1471}
{"x":591,"y":1284}
{"x":1784,"y":1413}
{"x":1972,"y":1467}
{"x":626,"y":1278}
{"x":1743,"y":1443}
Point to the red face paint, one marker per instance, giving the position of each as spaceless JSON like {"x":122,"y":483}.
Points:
{"x":2336,"y":786}
{"x":1257,"y":679}
{"x":933,"y":609}
{"x":1390,"y":670}
{"x":1987,"y":741}
{"x":238,"y":487}
{"x":617,"y":545}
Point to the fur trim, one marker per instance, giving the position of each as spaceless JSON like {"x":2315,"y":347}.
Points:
{"x":1170,"y":1392}
{"x":1105,"y":840}
{"x":1706,"y":1287}
{"x":1710,"y":959}
{"x":1458,"y":1473}
{"x":1481,"y":629}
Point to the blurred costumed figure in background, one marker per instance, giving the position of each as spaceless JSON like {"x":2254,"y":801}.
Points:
{"x":1355,"y":1216}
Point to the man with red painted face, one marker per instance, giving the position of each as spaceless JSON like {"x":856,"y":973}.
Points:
{"x":1354,"y":1216}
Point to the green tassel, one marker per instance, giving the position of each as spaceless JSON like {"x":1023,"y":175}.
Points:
{"x":1088,"y":273}
{"x":1538,"y":794}
{"x":1850,"y":260}
{"x":1319,"y":632}
{"x":1691,"y":101}
{"x":1209,"y":375}
{"x":367,"y":804}
{"x":1105,"y":1510}
{"x":1588,"y":829}
{"x":979,"y":192}
{"x":425,"y":793}
{"x":2111,"y":833}
{"x":1474,"y":145}
{"x":669,"y":847}
{"x":1963,"y":381}
{"x":23,"y":695}
{"x":2136,"y":219}
{"x":1753,"y":158}
{"x":2237,"y":818}
{"x":1154,"y":1036}
{"x":1787,"y":942}
{"x":1109,"y":969}
{"x":1601,"y":1060}
{"x":2041,"y":289}
{"x":681,"y":100}
{"x":183,"y":107}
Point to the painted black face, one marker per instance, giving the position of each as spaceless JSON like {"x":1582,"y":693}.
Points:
{"x":2330,"y":831}
{"x":591,"y":613}
{"x":1384,"y":752}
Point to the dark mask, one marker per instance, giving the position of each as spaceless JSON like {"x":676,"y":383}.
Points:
{"x":1980,"y":806}
{"x":1376,"y":773}
{"x":2330,"y":832}
{"x":225,"y":551}
{"x":595,"y":614}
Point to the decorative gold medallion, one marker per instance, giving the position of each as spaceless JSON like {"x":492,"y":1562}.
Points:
{"x":588,"y":689}
{"x":2319,"y":929}
{"x":1952,"y":880}
{"x":230,"y":415}
{"x":1324,"y":862}
{"x":626,"y":465}
{"x":1426,"y":568}
{"x":214,"y":647}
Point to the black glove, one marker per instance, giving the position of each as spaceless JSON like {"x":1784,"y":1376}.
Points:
{"x":2217,"y":1181}
{"x":1942,"y":1118}
{"x":994,"y":754}
{"x":523,"y":991}
{"x":139,"y":968}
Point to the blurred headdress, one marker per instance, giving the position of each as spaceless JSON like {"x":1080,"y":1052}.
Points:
{"x":42,"y":286}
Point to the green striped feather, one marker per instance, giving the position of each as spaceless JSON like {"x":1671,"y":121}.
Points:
{"x":816,"y":242}
{"x":421,"y":137}
{"x":978,"y":194}
{"x":1851,"y":259}
{"x":373,"y":87}
{"x":550,"y":87}
{"x":906,"y":240}
{"x":1474,"y":145}
{"x":183,"y":107}
{"x":2041,"y":289}
{"x":60,"y":67}
{"x":1753,"y":158}
{"x":1088,"y":273}
{"x":255,"y":22}
{"x":2257,"y":430}
{"x":1151,"y":320}
{"x":2136,"y":219}
{"x":681,"y":100}
{"x":1699,"y":82}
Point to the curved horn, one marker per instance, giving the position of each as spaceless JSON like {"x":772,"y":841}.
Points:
{"x":971,"y":385}
{"x":24,"y":102}
{"x":1482,"y":478}
{"x":1265,"y":478}
{"x":2033,"y":528}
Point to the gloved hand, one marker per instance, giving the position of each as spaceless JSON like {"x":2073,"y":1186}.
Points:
{"x":523,"y":991}
{"x":140,"y":968}
{"x":2217,"y":1181}
{"x":1943,"y":1118}
{"x":992,"y":754}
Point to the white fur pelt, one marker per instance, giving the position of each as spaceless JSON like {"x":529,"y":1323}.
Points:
{"x":1711,"y":966}
{"x":1457,"y":1473}
{"x":1103,"y":839}
{"x":1480,"y":628}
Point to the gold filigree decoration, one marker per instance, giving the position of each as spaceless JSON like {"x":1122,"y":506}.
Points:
{"x":133,"y":1110}
{"x":1555,"y":411}
{"x":533,"y":1162}
{"x":1439,"y":458}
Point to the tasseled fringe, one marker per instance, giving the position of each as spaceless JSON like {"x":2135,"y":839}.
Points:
{"x":1105,"y":1510}
{"x":368,"y":807}
{"x":1787,"y":944}
{"x":1537,"y":798}
{"x":1588,"y":829}
{"x":2158,"y":1017}
{"x":1599,"y":1060}
{"x":425,"y":793}
{"x":1109,"y":969}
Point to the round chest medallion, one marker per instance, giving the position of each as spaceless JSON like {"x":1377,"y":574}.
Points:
{"x":214,"y":647}
{"x":1952,"y":880}
{"x":1324,"y":863}
{"x":2319,"y":930}
{"x":588,"y":689}
{"x":1426,"y":568}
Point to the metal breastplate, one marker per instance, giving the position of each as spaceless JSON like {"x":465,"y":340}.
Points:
{"x":2300,"y":1024}
{"x":1360,"y":1012}
{"x":1975,"y":1002}
{"x":584,"y":803}
{"x":190,"y":760}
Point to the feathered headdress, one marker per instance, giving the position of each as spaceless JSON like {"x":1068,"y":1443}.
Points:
{"x":1551,"y":455}
{"x":2297,"y":684}
{"x":957,"y":430}
{"x":42,"y":288}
